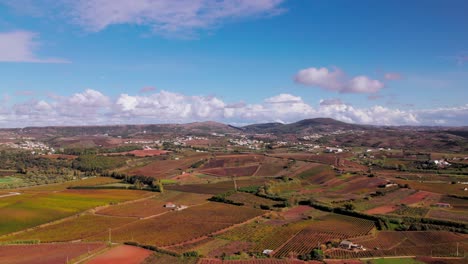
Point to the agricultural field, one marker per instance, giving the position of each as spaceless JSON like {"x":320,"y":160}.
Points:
{"x":180,"y":226}
{"x":122,"y":254}
{"x":273,"y":167}
{"x":225,"y":161}
{"x":57,"y":253}
{"x":440,"y":188}
{"x":231,"y":171}
{"x":264,"y":235}
{"x":420,"y":243}
{"x":34,"y":208}
{"x":446,"y":214}
{"x":75,"y":228}
{"x":218,"y":187}
{"x":164,"y":168}
{"x":154,"y":205}
{"x":325,"y":229}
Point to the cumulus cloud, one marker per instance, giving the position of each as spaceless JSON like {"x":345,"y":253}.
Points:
{"x":92,"y":107}
{"x":20,"y":46}
{"x":337,"y":81}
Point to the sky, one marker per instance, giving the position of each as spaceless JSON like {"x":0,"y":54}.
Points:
{"x":100,"y":62}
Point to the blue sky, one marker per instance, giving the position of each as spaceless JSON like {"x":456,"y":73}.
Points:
{"x":239,"y":62}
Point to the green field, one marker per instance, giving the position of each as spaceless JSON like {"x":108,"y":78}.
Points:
{"x":8,"y":179}
{"x":34,"y":208}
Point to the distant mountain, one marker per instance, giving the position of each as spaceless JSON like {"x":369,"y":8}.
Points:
{"x":195,"y":128}
{"x":305,"y":126}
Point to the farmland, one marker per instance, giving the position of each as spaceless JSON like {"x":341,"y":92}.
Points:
{"x":218,"y":187}
{"x":230,"y":203}
{"x":154,"y":205}
{"x":37,"y":207}
{"x":166,"y":168}
{"x":73,"y":229}
{"x":408,"y":244}
{"x":196,"y":221}
{"x":122,"y":254}
{"x":56,"y":253}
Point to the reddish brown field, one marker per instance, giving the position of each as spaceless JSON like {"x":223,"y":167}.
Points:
{"x":234,"y":171}
{"x":122,"y":254}
{"x":46,"y":253}
{"x":272,"y":167}
{"x":440,"y":188}
{"x":417,"y":197}
{"x":216,"y":188}
{"x":176,"y":227}
{"x":297,"y":212}
{"x":448,"y":215}
{"x":233,"y":161}
{"x":411,"y":243}
{"x":382,"y":209}
{"x":166,"y":168}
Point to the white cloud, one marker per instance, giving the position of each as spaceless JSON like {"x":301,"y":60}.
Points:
{"x":92,"y":107}
{"x":362,"y":84}
{"x":20,"y":46}
{"x":284,"y":98}
{"x":321,"y":77}
{"x":331,"y":101}
{"x":337,"y":81}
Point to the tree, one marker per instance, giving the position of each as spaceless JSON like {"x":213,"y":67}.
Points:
{"x":138,"y":184}
{"x":349,"y":206}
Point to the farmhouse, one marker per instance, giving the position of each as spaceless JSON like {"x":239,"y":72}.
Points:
{"x":170,"y":205}
{"x":346,"y":244}
{"x":442,"y":205}
{"x":267,"y":252}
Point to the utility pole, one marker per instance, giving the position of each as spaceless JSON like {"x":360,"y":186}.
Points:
{"x":235,"y":183}
{"x":457,"y":249}
{"x":110,"y":236}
